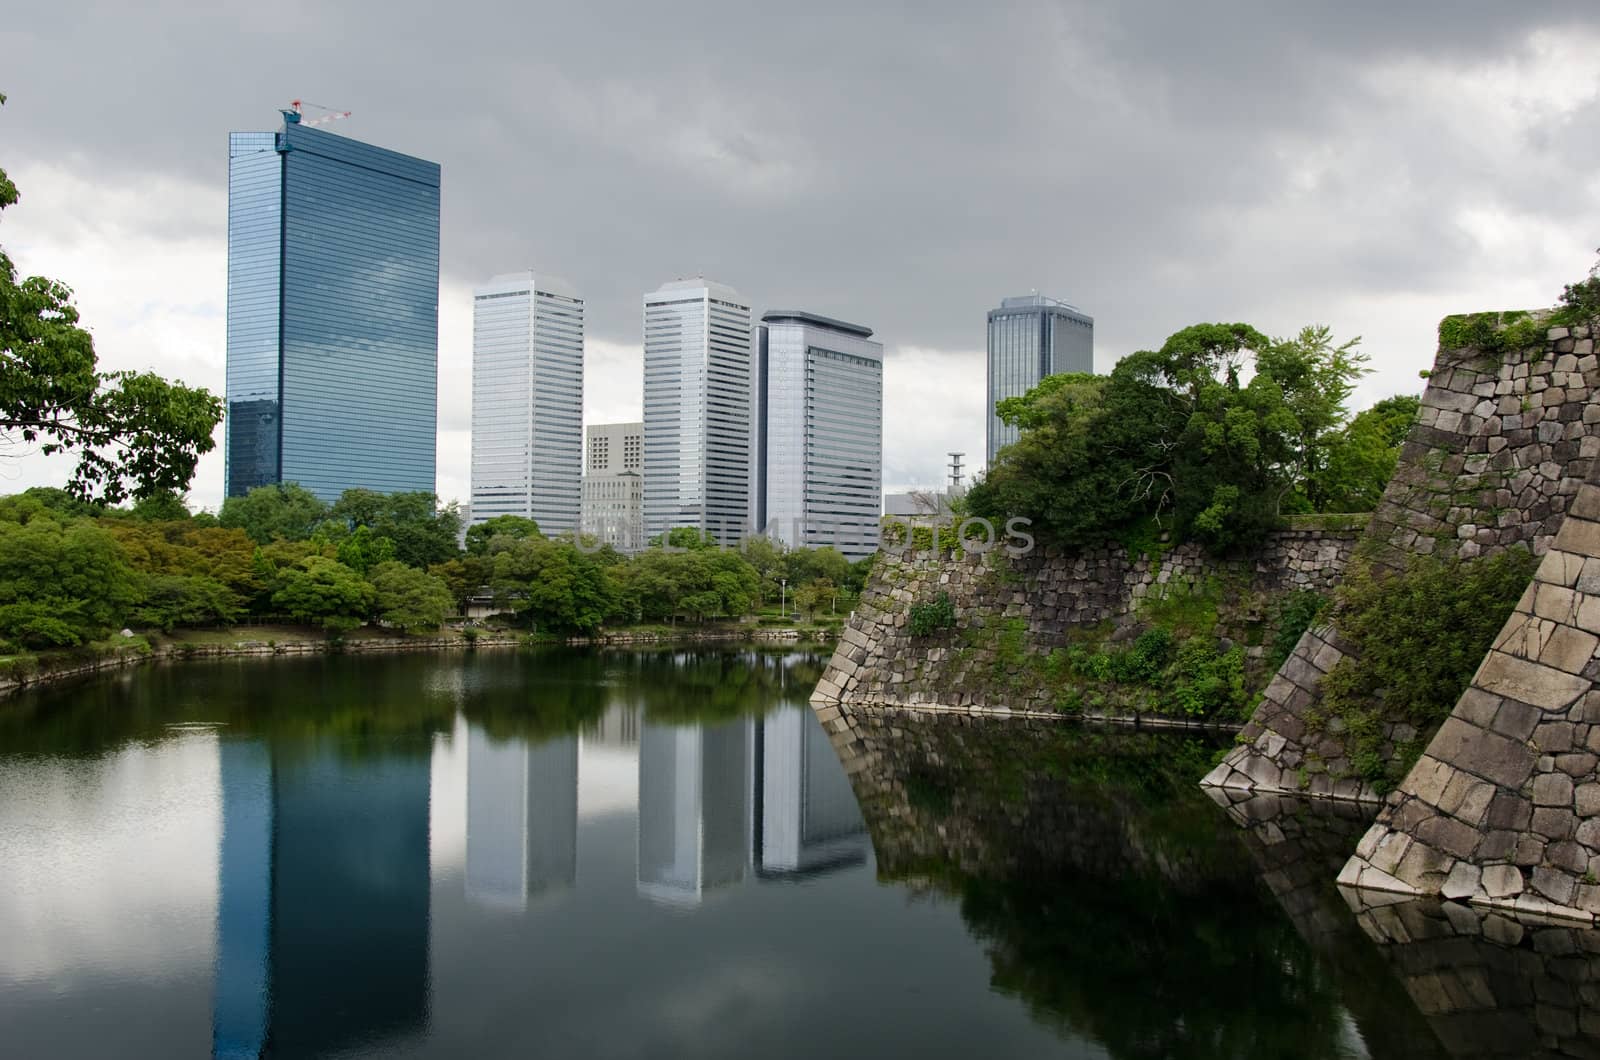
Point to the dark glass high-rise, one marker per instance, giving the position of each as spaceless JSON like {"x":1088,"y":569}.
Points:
{"x":333,"y":313}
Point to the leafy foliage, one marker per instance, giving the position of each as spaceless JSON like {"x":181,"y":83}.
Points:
{"x":325,"y":592}
{"x":134,"y":433}
{"x":286,"y":511}
{"x":61,"y":584}
{"x":932,"y":616}
{"x":1217,"y":435}
{"x":407,"y":598}
{"x":1418,"y":636}
{"x":513,"y":526}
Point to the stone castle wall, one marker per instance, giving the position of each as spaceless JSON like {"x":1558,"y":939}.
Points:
{"x":1503,"y":809}
{"x":1044,"y":594}
{"x":1500,"y":449}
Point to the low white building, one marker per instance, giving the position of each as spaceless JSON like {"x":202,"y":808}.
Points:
{"x":613,"y":484}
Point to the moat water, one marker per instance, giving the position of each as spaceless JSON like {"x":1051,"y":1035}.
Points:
{"x":660,"y":854}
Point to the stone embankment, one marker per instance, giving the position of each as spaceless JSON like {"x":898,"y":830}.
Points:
{"x":1501,"y":448}
{"x":1008,"y":608}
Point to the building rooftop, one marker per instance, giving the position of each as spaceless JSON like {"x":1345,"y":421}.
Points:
{"x":1039,"y":301}
{"x":796,"y":316}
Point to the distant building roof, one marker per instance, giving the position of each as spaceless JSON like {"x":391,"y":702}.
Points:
{"x":798,"y":316}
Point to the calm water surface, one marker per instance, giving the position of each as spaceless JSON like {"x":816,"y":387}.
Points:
{"x":656,"y":854}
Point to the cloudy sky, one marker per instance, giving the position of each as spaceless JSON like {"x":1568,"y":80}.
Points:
{"x":1368,"y":165}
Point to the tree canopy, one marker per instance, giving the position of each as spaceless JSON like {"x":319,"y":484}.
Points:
{"x":134,"y":433}
{"x":1215,"y":436}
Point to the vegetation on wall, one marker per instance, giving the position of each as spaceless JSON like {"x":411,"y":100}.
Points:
{"x":936,"y":614}
{"x":1216,"y":437}
{"x":1417,"y":636}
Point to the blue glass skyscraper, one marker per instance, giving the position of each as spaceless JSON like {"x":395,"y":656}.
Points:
{"x":333,"y":313}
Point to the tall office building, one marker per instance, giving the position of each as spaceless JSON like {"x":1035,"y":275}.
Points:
{"x":696,"y":409}
{"x":817,"y":432}
{"x":527,"y":400}
{"x":333,"y":313}
{"x":1029,"y":338}
{"x":613,"y":484}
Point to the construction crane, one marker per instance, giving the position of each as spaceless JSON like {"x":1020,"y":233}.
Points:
{"x":296,"y":113}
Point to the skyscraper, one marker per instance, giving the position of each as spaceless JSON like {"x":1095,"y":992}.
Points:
{"x":1029,"y":338}
{"x":527,"y":400}
{"x":817,"y":438}
{"x":613,"y":484}
{"x":696,"y":409}
{"x":333,"y":313}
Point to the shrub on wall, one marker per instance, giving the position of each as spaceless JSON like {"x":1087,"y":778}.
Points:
{"x":936,"y":615}
{"x":1417,"y":636}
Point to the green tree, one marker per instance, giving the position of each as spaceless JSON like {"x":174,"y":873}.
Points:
{"x":422,"y":532}
{"x":324,"y":591}
{"x":514,"y":527}
{"x":166,"y":506}
{"x":1361,"y":459}
{"x":61,"y":584}
{"x":464,"y":577}
{"x":285,"y":510}
{"x":1215,"y":436}
{"x":363,"y":550}
{"x":134,"y":433}
{"x":552,"y":584}
{"x":171,"y":600}
{"x":408,"y":598}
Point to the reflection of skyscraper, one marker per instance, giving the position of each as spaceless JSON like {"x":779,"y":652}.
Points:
{"x":323,"y":917}
{"x":808,"y":820}
{"x":522,"y":818}
{"x":244,"y":902}
{"x":617,"y":727}
{"x":694,"y":809}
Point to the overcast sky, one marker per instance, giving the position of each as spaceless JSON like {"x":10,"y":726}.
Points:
{"x":1368,"y":165}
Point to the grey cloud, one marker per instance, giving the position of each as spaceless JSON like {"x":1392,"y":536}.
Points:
{"x":902,"y":164}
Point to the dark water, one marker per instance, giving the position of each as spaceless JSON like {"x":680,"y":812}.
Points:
{"x":657,"y":854}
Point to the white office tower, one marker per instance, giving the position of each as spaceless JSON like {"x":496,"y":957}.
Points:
{"x":817,"y":464}
{"x":696,"y":409}
{"x":527,"y":400}
{"x":522,"y":819}
{"x":694,"y":809}
{"x":810,"y":821}
{"x":613,"y":484}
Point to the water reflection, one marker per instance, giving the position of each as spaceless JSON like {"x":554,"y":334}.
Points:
{"x":322,"y":922}
{"x":522,"y":818}
{"x":667,"y":854}
{"x":1491,"y":985}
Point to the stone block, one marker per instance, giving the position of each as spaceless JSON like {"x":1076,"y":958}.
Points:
{"x":1530,"y":682}
{"x":1569,"y":649}
{"x":1579,"y":533}
{"x":1502,"y":881}
{"x":1448,"y":835}
{"x":1553,"y":822}
{"x":1516,"y":720}
{"x":1587,"y":799}
{"x":1462,"y":883}
{"x":1553,"y":884}
{"x":1505,"y":761}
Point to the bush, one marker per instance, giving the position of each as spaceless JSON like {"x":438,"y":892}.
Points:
{"x":1417,"y":636}
{"x":929,"y":617}
{"x":1298,"y":612}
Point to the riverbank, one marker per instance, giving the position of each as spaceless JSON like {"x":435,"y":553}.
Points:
{"x":31,"y":671}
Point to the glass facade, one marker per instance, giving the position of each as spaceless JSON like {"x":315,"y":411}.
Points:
{"x":696,"y":409}
{"x":817,"y":471}
{"x":1029,"y":338}
{"x":333,"y":312}
{"x":527,"y":400}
